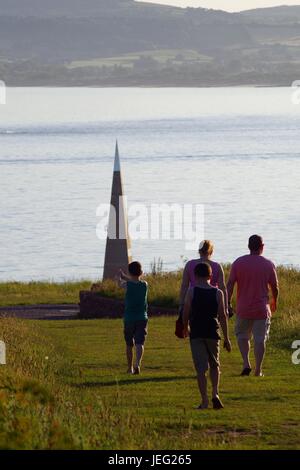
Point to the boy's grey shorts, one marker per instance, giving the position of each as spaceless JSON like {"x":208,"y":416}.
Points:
{"x":260,"y":329}
{"x":205,"y":353}
{"x":135,"y":332}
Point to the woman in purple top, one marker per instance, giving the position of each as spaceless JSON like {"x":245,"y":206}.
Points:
{"x":206,"y":250}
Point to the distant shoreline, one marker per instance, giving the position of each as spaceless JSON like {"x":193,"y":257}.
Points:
{"x":149,"y":86}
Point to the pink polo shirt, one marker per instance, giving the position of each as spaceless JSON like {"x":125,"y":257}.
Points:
{"x":253,"y":275}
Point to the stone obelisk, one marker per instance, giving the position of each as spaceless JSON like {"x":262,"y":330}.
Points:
{"x":118,"y":247}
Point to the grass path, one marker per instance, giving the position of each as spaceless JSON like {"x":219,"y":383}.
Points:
{"x":260,"y":413}
{"x":64,"y":384}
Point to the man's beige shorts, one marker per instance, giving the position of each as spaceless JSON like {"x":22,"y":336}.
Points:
{"x":260,"y":329}
{"x":205,"y":353}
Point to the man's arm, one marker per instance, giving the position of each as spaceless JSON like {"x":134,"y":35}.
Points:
{"x":184,"y":285}
{"x":223,"y":320}
{"x":230,"y":289}
{"x":275,"y":295}
{"x":274,"y":289}
{"x":186,"y":312}
{"x":230,"y":284}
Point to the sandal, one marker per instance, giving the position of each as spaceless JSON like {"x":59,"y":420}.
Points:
{"x":217,"y":404}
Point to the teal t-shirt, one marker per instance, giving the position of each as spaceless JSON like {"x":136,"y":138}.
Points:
{"x":136,"y":301}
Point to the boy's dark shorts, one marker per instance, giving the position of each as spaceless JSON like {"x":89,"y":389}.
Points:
{"x":135,"y":332}
{"x":206,"y":353}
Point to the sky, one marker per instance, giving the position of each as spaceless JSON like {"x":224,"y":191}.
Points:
{"x":228,"y":5}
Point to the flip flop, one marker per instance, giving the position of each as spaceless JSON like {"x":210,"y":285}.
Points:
{"x":246,"y":371}
{"x":217,"y":404}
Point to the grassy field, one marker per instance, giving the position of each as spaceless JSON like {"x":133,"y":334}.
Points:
{"x":29,"y":293}
{"x":161,"y":56}
{"x":65,"y":386}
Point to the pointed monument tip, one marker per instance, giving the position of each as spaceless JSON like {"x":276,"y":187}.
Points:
{"x":117,"y":166}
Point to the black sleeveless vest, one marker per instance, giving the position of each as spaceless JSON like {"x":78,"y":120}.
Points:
{"x":204,"y":321}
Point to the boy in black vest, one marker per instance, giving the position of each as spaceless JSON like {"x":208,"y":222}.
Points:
{"x":204,"y":312}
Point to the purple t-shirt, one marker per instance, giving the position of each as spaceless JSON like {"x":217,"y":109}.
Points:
{"x":216,"y":268}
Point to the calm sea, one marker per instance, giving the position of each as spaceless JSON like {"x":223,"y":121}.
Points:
{"x":234,"y":150}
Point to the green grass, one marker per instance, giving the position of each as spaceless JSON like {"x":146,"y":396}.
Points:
{"x":29,"y":293}
{"x":260,"y":413}
{"x":64,"y":387}
{"x":64,"y":384}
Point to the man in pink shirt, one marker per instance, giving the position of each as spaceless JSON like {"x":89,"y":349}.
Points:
{"x":254,"y":276}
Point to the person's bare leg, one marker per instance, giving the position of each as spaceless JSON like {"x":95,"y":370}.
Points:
{"x":129,"y":354}
{"x":244,"y":345}
{"x":202,"y":384}
{"x":139,"y":355}
{"x":215,"y":379}
{"x":259,"y":353}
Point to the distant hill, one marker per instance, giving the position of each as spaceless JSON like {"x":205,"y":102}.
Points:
{"x":56,"y":8}
{"x":122,"y":42}
{"x":278,"y":15}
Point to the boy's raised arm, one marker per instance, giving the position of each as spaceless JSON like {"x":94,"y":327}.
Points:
{"x":122,"y":280}
{"x":123,"y":276}
{"x":122,"y":284}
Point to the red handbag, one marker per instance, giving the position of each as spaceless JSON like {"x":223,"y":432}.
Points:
{"x":179,"y":324}
{"x":179,"y":328}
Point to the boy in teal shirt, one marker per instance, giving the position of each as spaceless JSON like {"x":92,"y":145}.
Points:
{"x":136,"y":317}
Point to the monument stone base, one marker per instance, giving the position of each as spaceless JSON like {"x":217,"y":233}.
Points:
{"x":94,"y":305}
